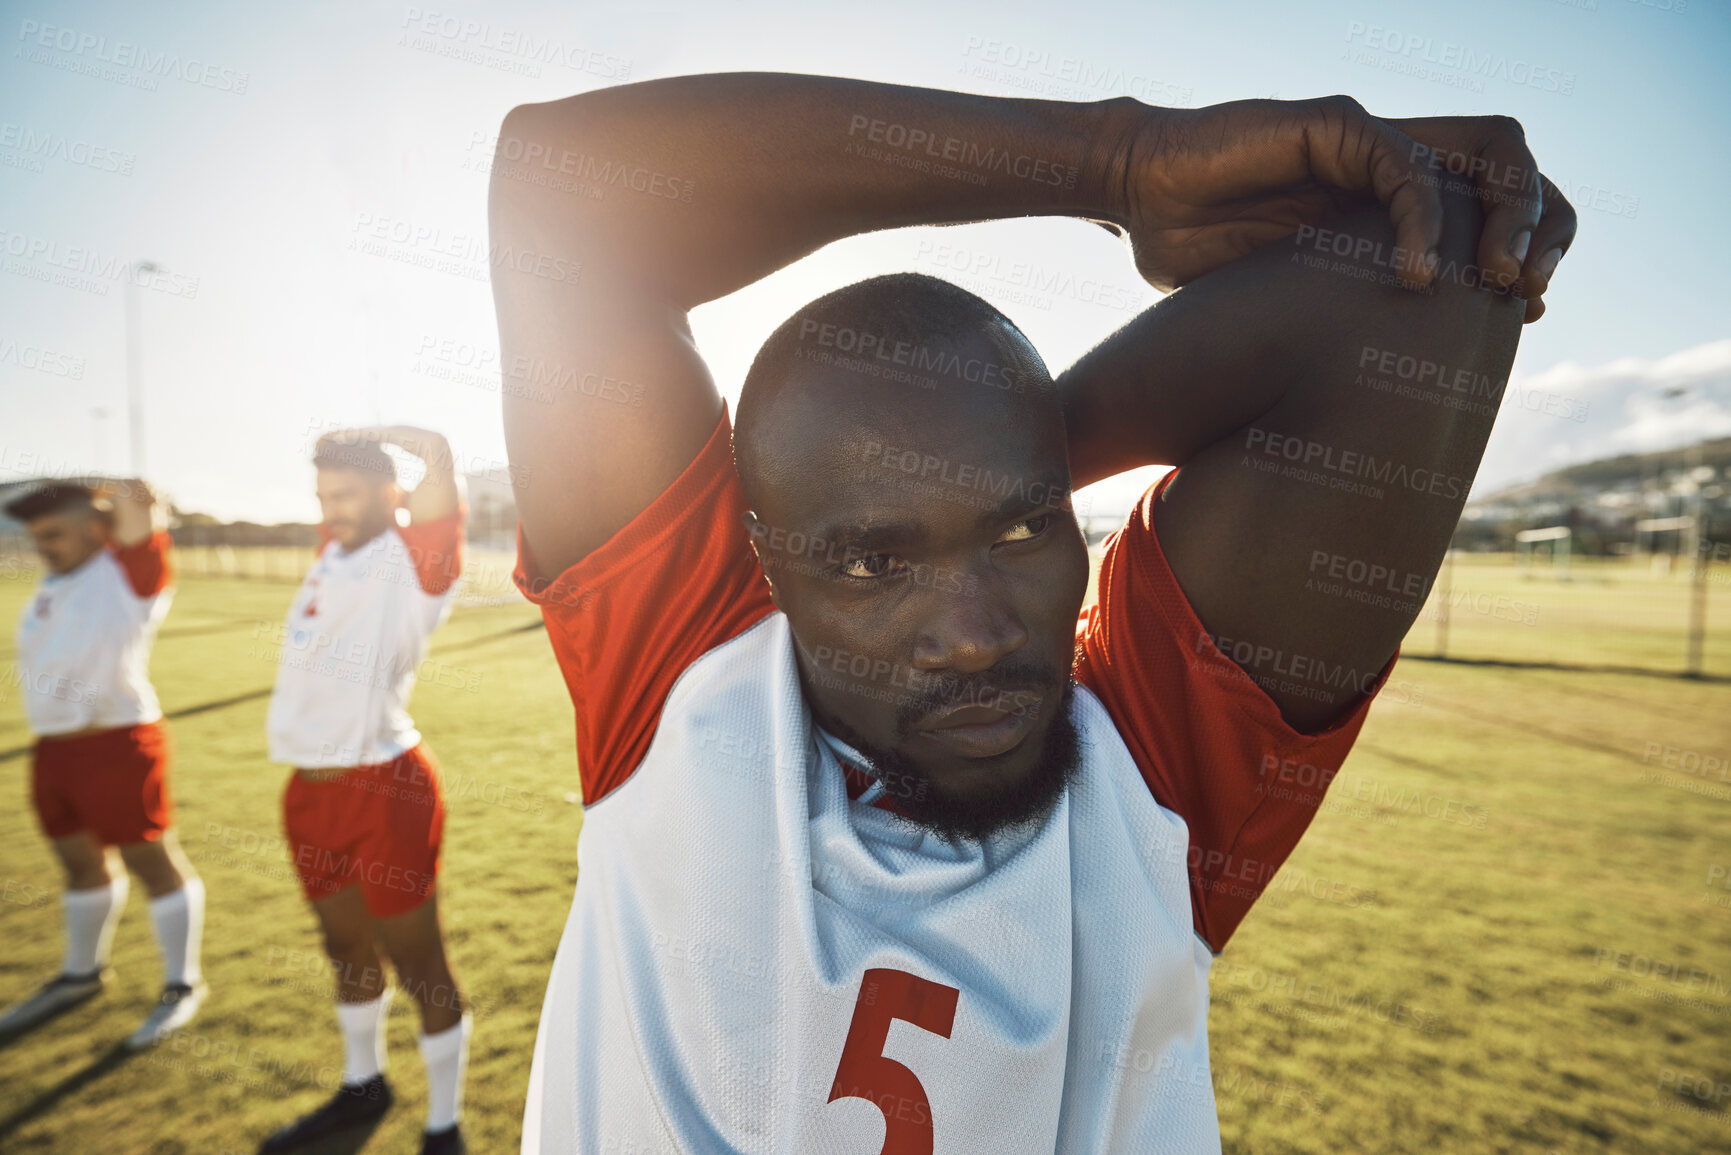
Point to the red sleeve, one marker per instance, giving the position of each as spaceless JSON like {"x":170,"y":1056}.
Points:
{"x":149,"y":564}
{"x":1210,"y":743}
{"x":678,"y":580}
{"x":436,"y":548}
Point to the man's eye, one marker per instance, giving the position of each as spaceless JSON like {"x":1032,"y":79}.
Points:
{"x":873,"y":565}
{"x":1027,"y":529}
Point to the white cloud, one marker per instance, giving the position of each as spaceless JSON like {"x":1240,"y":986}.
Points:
{"x":1572,"y":413}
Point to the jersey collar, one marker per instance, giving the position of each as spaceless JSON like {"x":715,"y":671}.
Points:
{"x":856,"y":768}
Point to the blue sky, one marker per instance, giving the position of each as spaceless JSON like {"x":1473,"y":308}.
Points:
{"x":253,"y":151}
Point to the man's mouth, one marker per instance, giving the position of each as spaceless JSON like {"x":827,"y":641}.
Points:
{"x":979,"y":731}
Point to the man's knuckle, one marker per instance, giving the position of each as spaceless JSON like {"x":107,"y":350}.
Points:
{"x":1343,"y":105}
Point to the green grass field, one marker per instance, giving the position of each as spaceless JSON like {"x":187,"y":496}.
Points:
{"x":1509,"y":928}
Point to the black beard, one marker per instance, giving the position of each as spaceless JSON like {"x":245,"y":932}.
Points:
{"x":920,"y":804}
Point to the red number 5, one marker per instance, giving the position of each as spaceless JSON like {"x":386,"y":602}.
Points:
{"x":865,"y":1073}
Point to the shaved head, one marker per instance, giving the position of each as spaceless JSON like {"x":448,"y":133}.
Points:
{"x":893,"y":344}
{"x":903,"y":451}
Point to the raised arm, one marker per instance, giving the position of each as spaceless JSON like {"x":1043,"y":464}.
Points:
{"x":1328,"y":423}
{"x":136,"y":514}
{"x":441,"y":490}
{"x":615,"y":212}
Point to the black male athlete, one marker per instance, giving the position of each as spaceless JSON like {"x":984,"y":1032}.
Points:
{"x":887,"y":846}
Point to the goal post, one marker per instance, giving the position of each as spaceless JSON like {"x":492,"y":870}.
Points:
{"x":1689,"y":526}
{"x":1559,"y":534}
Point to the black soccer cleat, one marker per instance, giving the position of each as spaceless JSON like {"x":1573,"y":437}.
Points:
{"x":352,"y":1105}
{"x":57,"y":995}
{"x":446,"y":1142}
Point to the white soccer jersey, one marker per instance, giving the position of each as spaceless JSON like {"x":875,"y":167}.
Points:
{"x":354,"y":643}
{"x":733,"y":900}
{"x":761,"y":957}
{"x":84,"y":640}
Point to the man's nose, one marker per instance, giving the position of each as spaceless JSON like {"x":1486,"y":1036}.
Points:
{"x":969,"y":631}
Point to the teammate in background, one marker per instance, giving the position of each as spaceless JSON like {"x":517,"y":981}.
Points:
{"x":887,"y":844}
{"x":104,"y":753}
{"x":363,"y":810}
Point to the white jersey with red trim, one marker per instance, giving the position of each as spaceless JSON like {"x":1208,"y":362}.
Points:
{"x":755,"y":963}
{"x":84,"y":640}
{"x":354,"y":643}
{"x":762,"y":958}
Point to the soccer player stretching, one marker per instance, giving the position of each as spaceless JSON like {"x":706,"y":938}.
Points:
{"x":363,"y":810}
{"x":887,"y":846}
{"x":103,"y":750}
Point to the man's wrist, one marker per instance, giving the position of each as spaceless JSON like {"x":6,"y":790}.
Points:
{"x":1106,"y":167}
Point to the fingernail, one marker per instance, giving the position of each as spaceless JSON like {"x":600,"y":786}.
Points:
{"x":1519,"y":246}
{"x":1548,"y":263}
{"x":1431,"y":260}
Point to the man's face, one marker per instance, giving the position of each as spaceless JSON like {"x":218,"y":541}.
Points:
{"x":67,"y":538}
{"x":923,"y":546}
{"x":356,"y":506}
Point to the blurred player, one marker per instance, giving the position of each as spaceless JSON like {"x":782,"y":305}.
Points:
{"x":887,"y":845}
{"x":103,"y":751}
{"x":363,"y":810}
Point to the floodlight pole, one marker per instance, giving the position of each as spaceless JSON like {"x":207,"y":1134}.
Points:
{"x":134,"y":380}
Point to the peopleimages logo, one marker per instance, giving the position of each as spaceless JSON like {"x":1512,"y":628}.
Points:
{"x":89,"y":47}
{"x":86,"y":268}
{"x":966,"y":153}
{"x":1476,"y":63}
{"x":526,"y":50}
{"x":37,"y":146}
{"x":42,"y":360}
{"x":1314,"y":456}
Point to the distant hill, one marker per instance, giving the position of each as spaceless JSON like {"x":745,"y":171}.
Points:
{"x":1602,"y":500}
{"x":1610,"y":473}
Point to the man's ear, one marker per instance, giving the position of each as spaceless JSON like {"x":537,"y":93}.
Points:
{"x":758,"y":532}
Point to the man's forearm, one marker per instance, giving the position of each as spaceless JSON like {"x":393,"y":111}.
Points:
{"x":1271,"y":333}
{"x":1324,"y":458}
{"x":695,"y":186}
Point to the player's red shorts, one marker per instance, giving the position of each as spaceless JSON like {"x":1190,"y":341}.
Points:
{"x":113,"y":783}
{"x":377,"y":827}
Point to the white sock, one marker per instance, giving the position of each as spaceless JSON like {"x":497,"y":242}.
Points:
{"x":363,"y":1038}
{"x":91,"y":916}
{"x":446,"y":1055}
{"x":178,"y":919}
